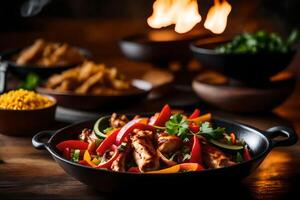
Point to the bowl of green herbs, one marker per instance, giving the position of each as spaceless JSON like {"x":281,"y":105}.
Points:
{"x":249,"y":57}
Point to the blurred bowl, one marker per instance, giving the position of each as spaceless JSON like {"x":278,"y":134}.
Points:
{"x":89,"y":101}
{"x":159,"y":47}
{"x":27,"y":122}
{"x":23,"y":70}
{"x":248,"y":67}
{"x":218,"y":91}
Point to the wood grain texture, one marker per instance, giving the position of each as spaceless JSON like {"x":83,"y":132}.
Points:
{"x":32,"y":174}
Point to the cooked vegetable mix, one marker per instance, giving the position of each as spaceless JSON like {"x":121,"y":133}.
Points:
{"x":258,"y":42}
{"x":163,"y":143}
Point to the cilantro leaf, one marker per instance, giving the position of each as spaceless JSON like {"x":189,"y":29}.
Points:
{"x":210,"y":132}
{"x":177,"y":125}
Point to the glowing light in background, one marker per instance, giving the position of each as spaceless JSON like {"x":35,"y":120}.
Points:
{"x":216,"y":20}
{"x":183,"y":13}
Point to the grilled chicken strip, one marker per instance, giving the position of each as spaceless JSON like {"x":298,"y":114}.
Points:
{"x":168,"y":143}
{"x":118,"y":121}
{"x":215,"y":158}
{"x":144,"y":152}
{"x":30,"y":53}
{"x":119,"y":164}
{"x":87,"y":135}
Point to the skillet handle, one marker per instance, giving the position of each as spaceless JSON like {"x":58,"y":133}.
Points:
{"x":3,"y":71}
{"x":38,"y":141}
{"x":289,"y":133}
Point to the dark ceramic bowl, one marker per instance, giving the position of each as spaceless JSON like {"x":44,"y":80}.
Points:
{"x":259,"y":141}
{"x":26,"y":122}
{"x":244,"y":67}
{"x":89,"y":101}
{"x":159,"y":47}
{"x":245,"y":99}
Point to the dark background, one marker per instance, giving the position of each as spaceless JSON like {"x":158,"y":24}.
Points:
{"x":283,"y":13}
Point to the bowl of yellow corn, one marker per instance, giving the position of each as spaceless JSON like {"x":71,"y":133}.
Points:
{"x":24,"y":112}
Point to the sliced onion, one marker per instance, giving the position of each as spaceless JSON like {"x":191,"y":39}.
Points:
{"x":166,"y":160}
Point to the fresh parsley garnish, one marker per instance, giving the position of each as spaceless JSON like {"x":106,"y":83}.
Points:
{"x":177,"y":125}
{"x":260,"y":41}
{"x":208,"y":131}
{"x":31,"y":82}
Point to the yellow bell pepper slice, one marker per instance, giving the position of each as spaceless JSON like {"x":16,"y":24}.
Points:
{"x":96,"y":161}
{"x":173,"y":169}
{"x":191,"y":167}
{"x":202,"y":118}
{"x":87,"y":158}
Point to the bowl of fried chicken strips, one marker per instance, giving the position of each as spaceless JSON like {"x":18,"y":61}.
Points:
{"x":92,"y":85}
{"x":44,"y":57}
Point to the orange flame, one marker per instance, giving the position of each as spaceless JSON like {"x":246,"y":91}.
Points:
{"x":217,"y":15}
{"x":183,"y":13}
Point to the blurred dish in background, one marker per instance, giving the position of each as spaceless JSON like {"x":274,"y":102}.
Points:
{"x":90,"y":78}
{"x":43,"y":58}
{"x":229,"y":95}
{"x":23,"y":100}
{"x":92,"y":85}
{"x":48,"y":54}
{"x":23,"y":112}
{"x":250,"y":58}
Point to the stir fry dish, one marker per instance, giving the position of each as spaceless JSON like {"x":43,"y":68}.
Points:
{"x":90,"y":78}
{"x":166,"y":142}
{"x":258,"y":42}
{"x":48,"y":54}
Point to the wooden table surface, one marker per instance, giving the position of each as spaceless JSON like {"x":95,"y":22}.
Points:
{"x":28,"y":173}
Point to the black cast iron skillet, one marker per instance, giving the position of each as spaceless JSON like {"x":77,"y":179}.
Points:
{"x":260,"y":143}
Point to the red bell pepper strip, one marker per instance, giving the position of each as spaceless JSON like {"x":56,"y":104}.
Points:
{"x":83,"y":162}
{"x":72,"y":144}
{"x":194,"y":127}
{"x":246,"y":154}
{"x":108,"y":163}
{"x":129,"y":127}
{"x":67,"y":153}
{"x":107,"y":142}
{"x":191,"y":167}
{"x":196,"y":153}
{"x":134,"y":170}
{"x":195,"y":114}
{"x":163,"y":116}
